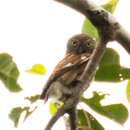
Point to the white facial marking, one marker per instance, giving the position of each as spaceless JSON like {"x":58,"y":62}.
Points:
{"x":84,"y":58}
{"x":67,"y":65}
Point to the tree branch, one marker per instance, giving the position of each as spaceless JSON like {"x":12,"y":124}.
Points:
{"x":93,"y":63}
{"x":58,"y":114}
{"x":123,"y":37}
{"x":101,"y":19}
{"x":73,"y":118}
{"x":68,"y":106}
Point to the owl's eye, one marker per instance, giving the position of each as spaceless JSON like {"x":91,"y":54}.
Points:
{"x":75,"y":42}
{"x":88,"y":44}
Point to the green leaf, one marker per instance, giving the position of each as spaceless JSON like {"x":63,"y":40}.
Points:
{"x":110,"y":69}
{"x":90,"y":29}
{"x":37,"y":69}
{"x":128,"y":91}
{"x":86,"y":120}
{"x":9,"y":73}
{"x":16,"y":113}
{"x":33,"y":99}
{"x":110,"y":5}
{"x":29,"y":112}
{"x":116,"y":112}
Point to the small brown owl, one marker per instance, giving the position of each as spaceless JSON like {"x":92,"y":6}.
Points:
{"x":67,"y":72}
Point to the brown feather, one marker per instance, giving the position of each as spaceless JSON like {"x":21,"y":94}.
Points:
{"x":67,"y":70}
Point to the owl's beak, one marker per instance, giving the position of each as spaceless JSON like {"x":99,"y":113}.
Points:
{"x":80,"y":49}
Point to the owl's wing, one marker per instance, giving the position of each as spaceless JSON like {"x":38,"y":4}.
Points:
{"x":70,"y":62}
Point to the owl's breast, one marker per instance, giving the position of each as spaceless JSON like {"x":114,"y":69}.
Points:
{"x":72,"y":75}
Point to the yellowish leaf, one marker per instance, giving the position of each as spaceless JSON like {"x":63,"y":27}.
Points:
{"x":128,"y":91}
{"x":37,"y":69}
{"x":110,"y":5}
{"x":53,"y":107}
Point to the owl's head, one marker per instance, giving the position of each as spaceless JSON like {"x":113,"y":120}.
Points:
{"x":81,"y":43}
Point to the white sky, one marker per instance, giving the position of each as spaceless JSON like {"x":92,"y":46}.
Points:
{"x":36,"y":31}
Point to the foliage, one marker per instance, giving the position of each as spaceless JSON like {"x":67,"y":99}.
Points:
{"x":9,"y":73}
{"x":110,"y":69}
{"x":128,"y":91}
{"x":110,"y":5}
{"x":16,"y":113}
{"x":33,"y":99}
{"x":53,"y":106}
{"x":90,"y":29}
{"x":86,"y":120}
{"x":116,"y":112}
{"x":37,"y":69}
